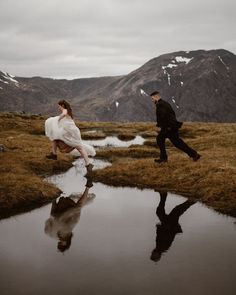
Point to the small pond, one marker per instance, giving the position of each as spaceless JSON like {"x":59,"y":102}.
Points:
{"x":117,"y":241}
{"x":113,"y":141}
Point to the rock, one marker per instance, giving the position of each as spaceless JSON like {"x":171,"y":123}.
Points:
{"x":2,"y":148}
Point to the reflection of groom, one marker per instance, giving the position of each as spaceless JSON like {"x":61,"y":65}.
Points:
{"x":168,"y":227}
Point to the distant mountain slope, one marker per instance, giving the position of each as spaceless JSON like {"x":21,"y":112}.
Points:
{"x":200,"y":85}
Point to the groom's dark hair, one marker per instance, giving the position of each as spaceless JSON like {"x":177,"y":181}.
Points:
{"x":154,"y":93}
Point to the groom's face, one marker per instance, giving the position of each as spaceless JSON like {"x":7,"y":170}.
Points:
{"x":155,"y":98}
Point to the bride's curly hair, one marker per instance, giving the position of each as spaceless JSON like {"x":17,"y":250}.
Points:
{"x":67,"y":106}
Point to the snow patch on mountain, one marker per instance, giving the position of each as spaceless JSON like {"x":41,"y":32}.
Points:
{"x":173,"y":99}
{"x":4,"y":81}
{"x":183,"y":59}
{"x":177,"y":59}
{"x":8,"y":77}
{"x":143,"y":92}
{"x":227,"y":68}
{"x":169,"y":66}
{"x":166,"y":73}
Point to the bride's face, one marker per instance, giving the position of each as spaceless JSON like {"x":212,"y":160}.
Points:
{"x":60,"y":108}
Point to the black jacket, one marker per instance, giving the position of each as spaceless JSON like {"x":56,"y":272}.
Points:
{"x":166,"y":116}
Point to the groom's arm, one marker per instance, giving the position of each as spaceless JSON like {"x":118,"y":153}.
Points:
{"x":162,"y":115}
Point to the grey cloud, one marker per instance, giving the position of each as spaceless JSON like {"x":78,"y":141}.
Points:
{"x":77,"y":38}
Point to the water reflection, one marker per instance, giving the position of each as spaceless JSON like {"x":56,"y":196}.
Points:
{"x":110,"y":254}
{"x":113,"y":141}
{"x":168,"y":227}
{"x":65,"y":214}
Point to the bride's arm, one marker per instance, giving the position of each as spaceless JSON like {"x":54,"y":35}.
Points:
{"x":63,"y":114}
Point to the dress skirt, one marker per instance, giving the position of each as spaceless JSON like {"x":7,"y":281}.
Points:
{"x":66,"y":131}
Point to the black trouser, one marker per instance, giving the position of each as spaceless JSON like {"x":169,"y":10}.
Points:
{"x":173,"y":135}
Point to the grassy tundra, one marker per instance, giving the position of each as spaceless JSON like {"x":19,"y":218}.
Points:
{"x":210,"y":180}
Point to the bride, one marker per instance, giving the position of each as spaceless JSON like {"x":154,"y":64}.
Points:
{"x":63,"y":129}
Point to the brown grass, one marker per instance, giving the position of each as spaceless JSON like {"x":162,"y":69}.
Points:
{"x":211,"y":180}
{"x":24,"y":165}
{"x":126,"y":136}
{"x":95,"y":135}
{"x":113,"y":154}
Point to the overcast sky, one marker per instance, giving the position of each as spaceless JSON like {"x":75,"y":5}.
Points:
{"x":84,"y":38}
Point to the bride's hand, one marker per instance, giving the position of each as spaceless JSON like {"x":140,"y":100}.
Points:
{"x":63,"y":114}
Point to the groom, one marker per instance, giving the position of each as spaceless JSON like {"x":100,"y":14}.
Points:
{"x":169,"y":125}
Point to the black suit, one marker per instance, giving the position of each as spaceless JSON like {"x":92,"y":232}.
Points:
{"x":169,"y":125}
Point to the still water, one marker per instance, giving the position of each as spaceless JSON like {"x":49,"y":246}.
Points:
{"x":114,"y":141}
{"x":117,"y":241}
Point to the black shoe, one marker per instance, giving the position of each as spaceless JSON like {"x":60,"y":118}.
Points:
{"x":89,"y":168}
{"x":51,"y":156}
{"x":196,"y":157}
{"x":89,"y":182}
{"x":159,"y":161}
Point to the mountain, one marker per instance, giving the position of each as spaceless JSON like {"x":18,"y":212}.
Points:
{"x":200,"y":85}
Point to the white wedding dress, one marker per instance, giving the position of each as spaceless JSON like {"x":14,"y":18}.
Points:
{"x":66,"y":131}
{"x":66,"y":221}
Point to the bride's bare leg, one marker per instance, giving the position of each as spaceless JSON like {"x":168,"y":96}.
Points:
{"x":54,"y":147}
{"x":53,"y":154}
{"x":83,"y":198}
{"x":84,"y":154}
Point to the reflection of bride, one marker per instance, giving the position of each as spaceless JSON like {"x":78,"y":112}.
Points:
{"x":65,"y":214}
{"x":65,"y":135}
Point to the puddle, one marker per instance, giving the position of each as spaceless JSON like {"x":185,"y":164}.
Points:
{"x":90,"y":131}
{"x":113,"y":141}
{"x":117,"y":241}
